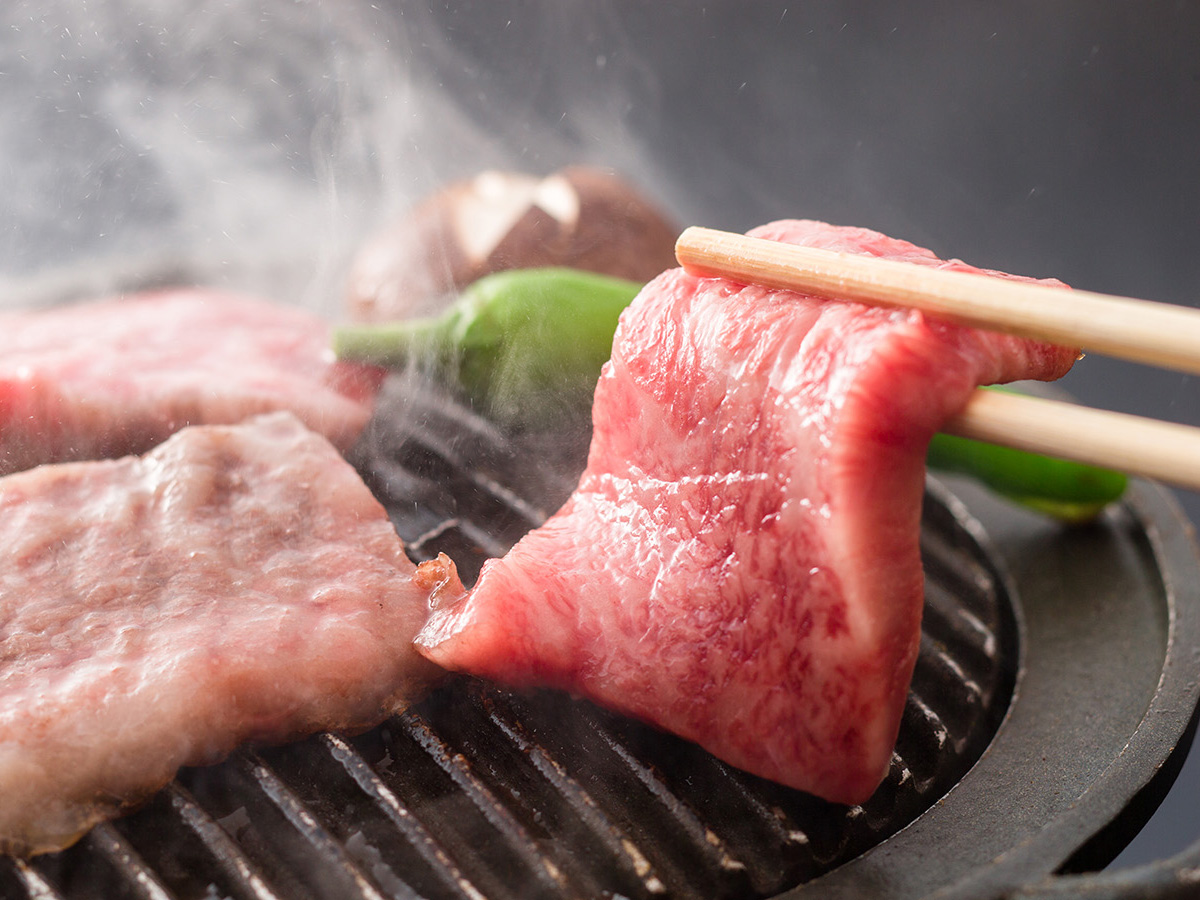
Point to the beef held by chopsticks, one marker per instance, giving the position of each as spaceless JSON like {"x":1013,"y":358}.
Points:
{"x":100,"y":379}
{"x":526,"y":346}
{"x":582,"y":217}
{"x":237,"y":583}
{"x":739,"y":563}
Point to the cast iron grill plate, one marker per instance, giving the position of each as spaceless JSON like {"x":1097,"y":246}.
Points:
{"x":484,"y":792}
{"x":480,"y":791}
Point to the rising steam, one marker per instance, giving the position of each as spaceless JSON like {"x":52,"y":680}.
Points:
{"x":255,"y":145}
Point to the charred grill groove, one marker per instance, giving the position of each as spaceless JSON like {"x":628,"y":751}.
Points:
{"x":681,"y":865}
{"x":224,"y":855}
{"x":923,"y":740}
{"x":444,"y":876}
{"x":187,"y":850}
{"x":773,"y":850}
{"x":717,"y":856}
{"x":898,"y":794}
{"x":347,"y":879}
{"x":109,"y":842}
{"x":498,"y":839}
{"x":10,"y":885}
{"x":113,"y":869}
{"x":592,"y":825}
{"x":740,"y":810}
{"x":33,"y":882}
{"x":569,"y":848}
{"x":382,"y":837}
{"x":273,"y":833}
{"x":969,"y":640}
{"x":463,"y":541}
{"x":666,"y":822}
{"x":948,"y":692}
{"x":479,"y":473}
{"x":960,"y":571}
{"x":823,"y":825}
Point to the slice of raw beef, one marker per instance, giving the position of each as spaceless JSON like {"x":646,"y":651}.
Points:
{"x":238,"y":583}
{"x":98,"y":380}
{"x":739,"y":563}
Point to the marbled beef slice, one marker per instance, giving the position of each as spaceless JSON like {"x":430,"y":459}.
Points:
{"x":238,"y":583}
{"x":740,"y":561}
{"x":100,"y":379}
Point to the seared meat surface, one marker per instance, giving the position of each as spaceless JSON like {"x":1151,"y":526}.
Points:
{"x":740,"y":561}
{"x":101,"y":379}
{"x":238,"y":583}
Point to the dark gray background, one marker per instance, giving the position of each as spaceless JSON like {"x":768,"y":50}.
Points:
{"x":255,"y":144}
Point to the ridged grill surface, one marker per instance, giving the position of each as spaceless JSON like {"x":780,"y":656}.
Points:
{"x":484,"y":792}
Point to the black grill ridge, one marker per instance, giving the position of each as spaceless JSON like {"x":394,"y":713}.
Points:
{"x":480,"y":791}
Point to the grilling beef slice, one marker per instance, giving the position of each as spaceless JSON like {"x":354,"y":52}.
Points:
{"x":99,"y":379}
{"x":740,"y":561}
{"x":237,"y":583}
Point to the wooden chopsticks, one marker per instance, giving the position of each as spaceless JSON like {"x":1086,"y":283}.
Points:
{"x":1139,"y":446}
{"x":1143,"y":331}
{"x":1155,"y":333}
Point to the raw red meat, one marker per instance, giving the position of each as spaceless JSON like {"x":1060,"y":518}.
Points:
{"x":101,"y":379}
{"x":740,"y":561}
{"x":237,"y":583}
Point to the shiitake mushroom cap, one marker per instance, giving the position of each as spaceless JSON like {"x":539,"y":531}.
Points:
{"x":583,"y":217}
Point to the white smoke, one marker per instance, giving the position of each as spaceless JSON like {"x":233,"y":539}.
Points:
{"x":255,"y":145}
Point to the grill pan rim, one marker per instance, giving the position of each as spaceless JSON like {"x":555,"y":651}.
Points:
{"x":1090,"y":829}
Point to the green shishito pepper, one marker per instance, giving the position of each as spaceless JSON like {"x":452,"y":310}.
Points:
{"x":526,"y":346}
{"x":1073,"y":492}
